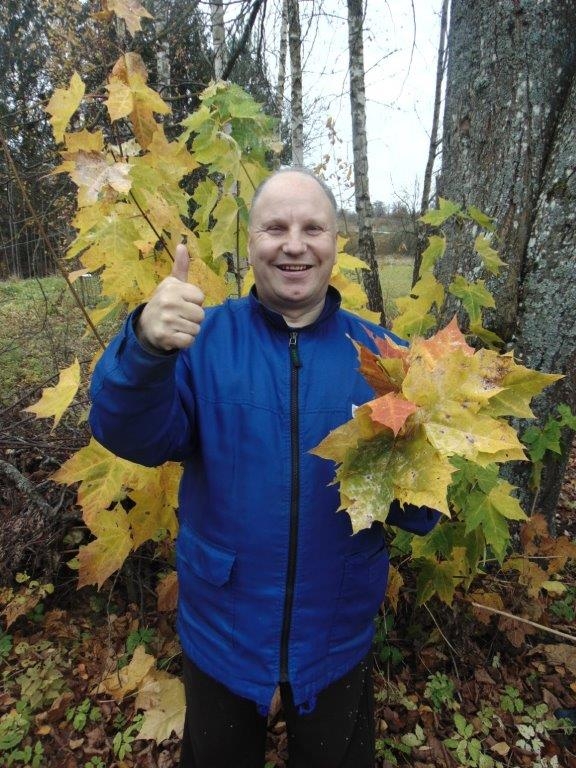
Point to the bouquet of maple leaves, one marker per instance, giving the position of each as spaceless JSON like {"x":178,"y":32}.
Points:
{"x":436,"y":401}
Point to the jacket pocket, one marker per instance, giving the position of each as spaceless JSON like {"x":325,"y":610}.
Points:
{"x":205,"y":589}
{"x":362,"y":590}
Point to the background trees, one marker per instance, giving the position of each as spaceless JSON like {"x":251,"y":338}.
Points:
{"x":508,"y":148}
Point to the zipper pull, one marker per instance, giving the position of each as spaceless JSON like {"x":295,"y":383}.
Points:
{"x":293,"y":346}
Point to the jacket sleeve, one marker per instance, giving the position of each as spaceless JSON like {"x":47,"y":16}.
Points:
{"x":418,"y":520}
{"x":138,"y":410}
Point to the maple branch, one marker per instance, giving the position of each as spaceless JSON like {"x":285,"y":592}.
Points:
{"x":150,"y":224}
{"x":25,"y":487}
{"x":44,"y":237}
{"x":556,"y":632}
{"x":142,"y":211}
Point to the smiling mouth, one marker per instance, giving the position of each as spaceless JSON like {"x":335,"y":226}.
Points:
{"x":294,"y":267}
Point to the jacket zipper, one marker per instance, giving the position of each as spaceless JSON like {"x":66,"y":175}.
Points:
{"x":295,"y":365}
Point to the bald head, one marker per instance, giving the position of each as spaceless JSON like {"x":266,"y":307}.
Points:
{"x":298,"y":170}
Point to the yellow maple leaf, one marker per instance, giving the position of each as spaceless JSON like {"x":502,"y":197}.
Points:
{"x":102,"y":557}
{"x":103,"y":478}
{"x":131,"y":11}
{"x":129,"y":678}
{"x":63,"y":103}
{"x":162,"y":699}
{"x":120,"y":101}
{"x":455,"y":429}
{"x":55,"y":400}
{"x":146,"y":103}
{"x":214,"y":288}
{"x":155,"y":500}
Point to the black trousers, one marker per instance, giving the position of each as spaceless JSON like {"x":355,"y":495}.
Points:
{"x":223,"y":730}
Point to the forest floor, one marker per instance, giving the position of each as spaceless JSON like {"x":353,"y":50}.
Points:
{"x":452,"y":689}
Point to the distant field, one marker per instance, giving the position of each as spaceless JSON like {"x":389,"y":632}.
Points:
{"x":40,"y":332}
{"x":41,"y":328}
{"x":396,"y":280}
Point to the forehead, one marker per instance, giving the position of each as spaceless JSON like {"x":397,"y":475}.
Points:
{"x":289,"y":193}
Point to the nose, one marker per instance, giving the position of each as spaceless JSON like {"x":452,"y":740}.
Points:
{"x":294,"y":243}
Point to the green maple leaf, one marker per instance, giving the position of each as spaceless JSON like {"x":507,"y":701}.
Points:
{"x":474,"y":296}
{"x":490,"y":512}
{"x":488,"y":255}
{"x":414,"y":318}
{"x":481,"y":218}
{"x":437,"y":216}
{"x":432,"y":253}
{"x":440,"y":578}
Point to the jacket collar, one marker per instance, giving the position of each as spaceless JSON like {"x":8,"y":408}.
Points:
{"x":331,"y":305}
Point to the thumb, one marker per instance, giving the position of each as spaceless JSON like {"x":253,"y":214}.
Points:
{"x":181,"y":264}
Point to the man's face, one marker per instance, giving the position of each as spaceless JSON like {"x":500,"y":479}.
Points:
{"x":292,"y":246}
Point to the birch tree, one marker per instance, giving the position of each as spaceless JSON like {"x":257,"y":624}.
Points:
{"x":218,"y":36}
{"x":366,"y":247}
{"x":297,"y":112}
{"x":508,"y":149}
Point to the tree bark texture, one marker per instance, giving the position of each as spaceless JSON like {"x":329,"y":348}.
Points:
{"x":427,"y":194}
{"x":366,"y":246}
{"x":508,"y":149}
{"x":218,"y":36}
{"x":282,"y":56}
{"x":294,"y":43}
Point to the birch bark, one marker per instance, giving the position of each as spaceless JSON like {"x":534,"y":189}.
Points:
{"x":366,"y":247}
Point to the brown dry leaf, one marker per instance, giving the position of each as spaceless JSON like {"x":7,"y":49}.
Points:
{"x":167,"y":591}
{"x":482,"y":676}
{"x":515,"y":631}
{"x":559,"y":653}
{"x":490,"y":600}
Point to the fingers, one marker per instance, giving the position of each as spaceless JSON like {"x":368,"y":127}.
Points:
{"x":181,"y":264}
{"x":172,"y":317}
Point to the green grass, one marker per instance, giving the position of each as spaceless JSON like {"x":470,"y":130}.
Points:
{"x":41,"y":331}
{"x":396,"y":281}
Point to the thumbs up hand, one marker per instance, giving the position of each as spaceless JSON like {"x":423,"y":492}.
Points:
{"x":171,"y":319}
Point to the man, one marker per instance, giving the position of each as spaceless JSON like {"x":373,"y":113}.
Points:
{"x":274,"y":590}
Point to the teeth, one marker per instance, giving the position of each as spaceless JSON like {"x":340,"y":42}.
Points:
{"x":294,"y":267}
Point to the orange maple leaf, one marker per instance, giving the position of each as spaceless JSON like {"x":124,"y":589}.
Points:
{"x":392,"y":410}
{"x":372,"y":370}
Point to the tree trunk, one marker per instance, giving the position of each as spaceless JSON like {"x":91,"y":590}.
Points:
{"x":508,"y":149}
{"x":295,"y":40}
{"x":162,"y":55}
{"x":218,"y":36}
{"x":426,"y":199}
{"x":366,"y":247}
{"x":282,"y":54}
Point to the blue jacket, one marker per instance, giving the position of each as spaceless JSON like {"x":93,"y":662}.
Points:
{"x":273,"y":586}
